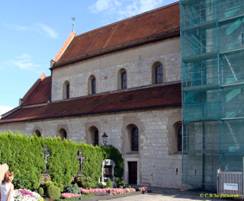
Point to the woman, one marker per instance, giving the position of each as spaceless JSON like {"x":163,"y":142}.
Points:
{"x":3,"y":169}
{"x":7,"y":188}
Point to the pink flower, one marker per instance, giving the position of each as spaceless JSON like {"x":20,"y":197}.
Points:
{"x":112,"y":191}
{"x":26,"y":192}
{"x":70,"y":195}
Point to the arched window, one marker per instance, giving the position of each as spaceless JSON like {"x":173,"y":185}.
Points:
{"x":66,"y":90}
{"x":157,"y":73}
{"x":122,"y":79}
{"x":133,"y":137}
{"x":62,"y":133}
{"x":92,"y":85}
{"x":178,"y":134}
{"x":37,"y":133}
{"x":93,"y":137}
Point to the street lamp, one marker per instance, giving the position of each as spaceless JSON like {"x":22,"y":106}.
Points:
{"x":105,"y":139}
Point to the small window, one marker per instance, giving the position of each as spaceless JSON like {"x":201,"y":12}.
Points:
{"x":37,"y":133}
{"x":134,"y":138}
{"x":157,"y":73}
{"x":178,"y":134}
{"x":62,"y":134}
{"x":93,"y":136}
{"x":66,"y":90}
{"x":122,"y":79}
{"x":92,"y":85}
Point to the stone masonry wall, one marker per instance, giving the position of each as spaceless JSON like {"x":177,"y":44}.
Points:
{"x":157,"y":165}
{"x":137,"y":62}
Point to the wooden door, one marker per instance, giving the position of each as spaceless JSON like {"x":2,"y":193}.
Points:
{"x":132,"y":173}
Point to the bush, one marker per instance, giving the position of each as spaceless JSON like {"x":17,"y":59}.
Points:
{"x":41,"y":191}
{"x":78,"y":181}
{"x":101,"y":185}
{"x":72,"y":189}
{"x":88,"y":182}
{"x":53,"y":192}
{"x":119,"y":182}
{"x":109,"y":184}
{"x":45,"y":187}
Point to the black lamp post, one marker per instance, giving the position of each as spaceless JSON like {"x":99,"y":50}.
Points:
{"x":105,"y":139}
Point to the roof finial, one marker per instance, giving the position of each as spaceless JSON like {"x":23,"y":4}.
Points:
{"x":42,"y":76}
{"x":73,"y":24}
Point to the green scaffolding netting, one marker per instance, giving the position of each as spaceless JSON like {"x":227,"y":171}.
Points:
{"x":212,"y":51}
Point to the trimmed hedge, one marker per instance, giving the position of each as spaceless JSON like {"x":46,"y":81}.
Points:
{"x":62,"y":163}
{"x":25,"y":157}
{"x":92,"y":165}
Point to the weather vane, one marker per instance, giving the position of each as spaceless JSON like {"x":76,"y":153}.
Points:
{"x":73,"y":24}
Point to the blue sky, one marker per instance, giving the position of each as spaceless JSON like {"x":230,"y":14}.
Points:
{"x":33,"y":31}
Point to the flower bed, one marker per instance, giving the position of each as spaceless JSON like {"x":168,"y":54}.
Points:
{"x":106,"y":191}
{"x":70,"y":195}
{"x":26,"y":195}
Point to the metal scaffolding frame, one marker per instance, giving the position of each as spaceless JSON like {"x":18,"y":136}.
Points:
{"x":212,"y":49}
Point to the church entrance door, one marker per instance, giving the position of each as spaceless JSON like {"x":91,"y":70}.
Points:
{"x":132,"y":173}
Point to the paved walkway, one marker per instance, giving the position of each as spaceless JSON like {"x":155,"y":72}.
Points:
{"x":155,"y":197}
{"x":162,"y":197}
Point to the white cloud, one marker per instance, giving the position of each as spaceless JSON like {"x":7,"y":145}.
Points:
{"x":140,"y":6}
{"x":24,"y":62}
{"x":48,"y":30}
{"x":126,"y":9}
{"x":103,"y":5}
{"x":39,"y":28}
{"x":4,"y":109}
{"x":21,"y":62}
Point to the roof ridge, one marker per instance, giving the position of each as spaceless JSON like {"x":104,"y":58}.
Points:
{"x":64,"y":47}
{"x":33,"y":87}
{"x":129,"y":18}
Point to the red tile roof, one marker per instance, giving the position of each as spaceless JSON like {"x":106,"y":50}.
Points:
{"x":148,"y":27}
{"x":147,"y":98}
{"x":39,"y":93}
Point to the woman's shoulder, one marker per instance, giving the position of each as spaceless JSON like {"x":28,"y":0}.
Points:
{"x":6,"y":185}
{"x":9,"y":185}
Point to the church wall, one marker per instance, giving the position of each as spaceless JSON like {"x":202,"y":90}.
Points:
{"x":137,"y":62}
{"x":157,"y":164}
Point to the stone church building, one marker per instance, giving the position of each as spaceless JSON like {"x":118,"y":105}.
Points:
{"x":122,"y":80}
